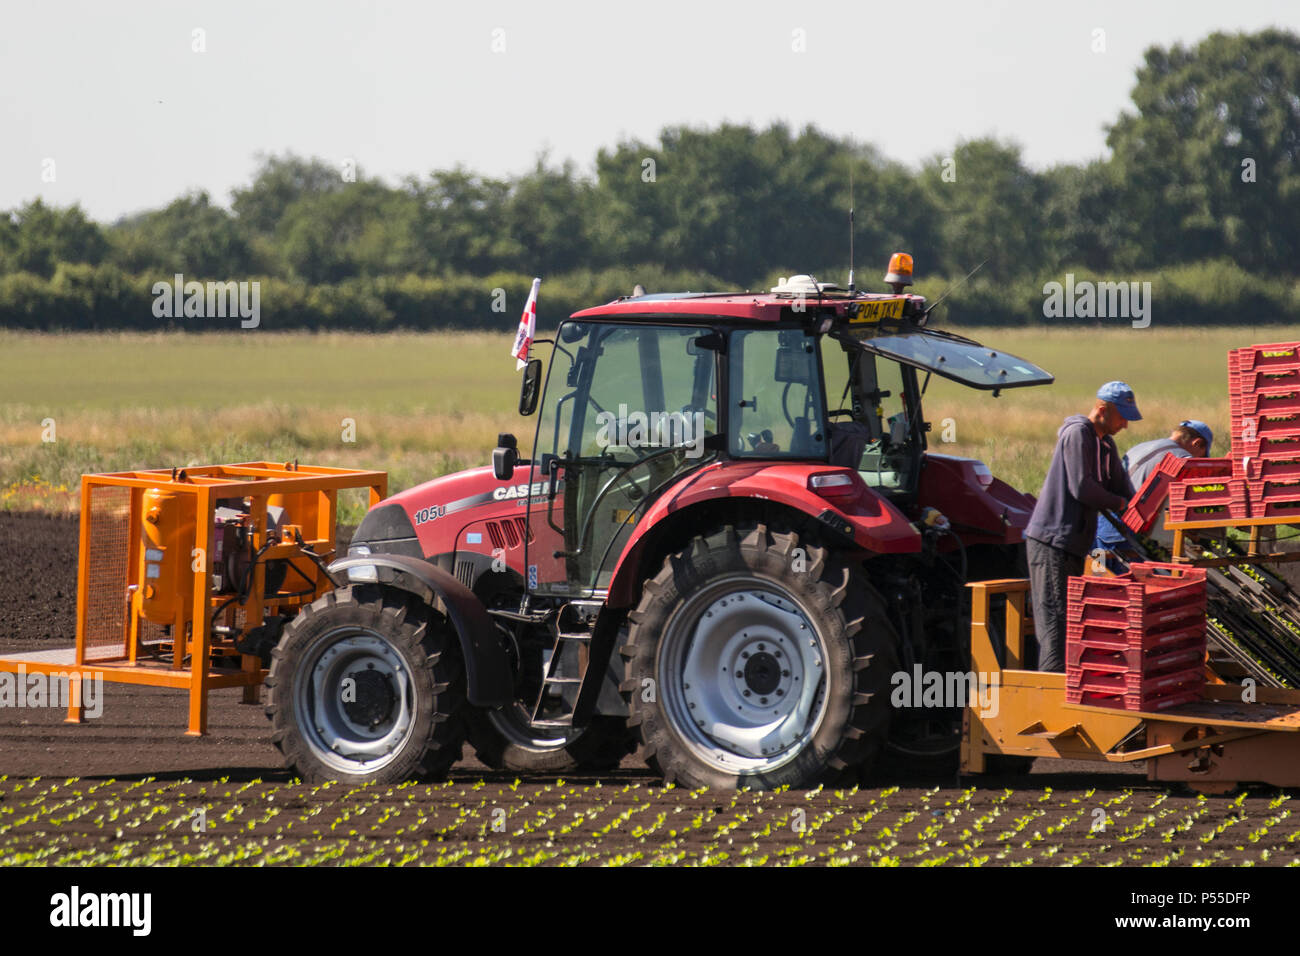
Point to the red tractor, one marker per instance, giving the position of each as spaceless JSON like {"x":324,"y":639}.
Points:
{"x":728,"y":541}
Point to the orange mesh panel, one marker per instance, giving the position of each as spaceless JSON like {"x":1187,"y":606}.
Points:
{"x":106,"y":578}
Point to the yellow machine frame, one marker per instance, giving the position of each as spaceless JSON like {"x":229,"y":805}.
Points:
{"x":1212,"y":745}
{"x":117,"y":627}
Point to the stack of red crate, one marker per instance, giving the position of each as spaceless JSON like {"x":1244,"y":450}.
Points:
{"x":1136,"y":641}
{"x":1264,"y":391}
{"x":1261,"y":479}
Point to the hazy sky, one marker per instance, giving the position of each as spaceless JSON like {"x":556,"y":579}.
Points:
{"x":132,"y":116}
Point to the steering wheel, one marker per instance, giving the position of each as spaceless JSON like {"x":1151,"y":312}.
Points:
{"x":840,"y":411}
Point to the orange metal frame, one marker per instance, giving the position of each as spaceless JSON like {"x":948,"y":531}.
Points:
{"x":1212,"y":745}
{"x":257,"y":481}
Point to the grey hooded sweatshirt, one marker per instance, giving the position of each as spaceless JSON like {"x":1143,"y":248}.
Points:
{"x":1085,"y":476}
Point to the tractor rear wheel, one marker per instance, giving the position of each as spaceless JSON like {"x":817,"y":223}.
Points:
{"x":503,"y":740}
{"x":366,"y":685}
{"x":757,"y":660}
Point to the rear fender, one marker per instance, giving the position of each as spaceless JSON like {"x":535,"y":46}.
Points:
{"x":489,"y":680}
{"x":992,"y":513}
{"x":859,"y":518}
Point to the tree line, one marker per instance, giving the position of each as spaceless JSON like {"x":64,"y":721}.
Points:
{"x":1201,"y":188}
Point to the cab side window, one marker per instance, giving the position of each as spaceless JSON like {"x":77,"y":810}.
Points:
{"x":777,"y":409}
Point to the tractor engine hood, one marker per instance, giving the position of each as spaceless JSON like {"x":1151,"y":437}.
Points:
{"x":424,"y":520}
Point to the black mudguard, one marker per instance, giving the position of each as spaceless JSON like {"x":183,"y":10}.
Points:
{"x":488,"y":677}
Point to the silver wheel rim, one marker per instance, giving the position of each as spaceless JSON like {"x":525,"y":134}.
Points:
{"x":512,"y":724}
{"x":742,"y":673}
{"x":326,"y":705}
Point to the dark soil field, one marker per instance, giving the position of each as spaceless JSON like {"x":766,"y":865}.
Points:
{"x":129,"y":787}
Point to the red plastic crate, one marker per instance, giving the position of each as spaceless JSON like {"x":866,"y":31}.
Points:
{"x":1156,"y":702}
{"x":1261,"y":491}
{"x":1252,"y":357}
{"x":1081,"y":656}
{"x":1181,"y":615}
{"x":1111,"y":637}
{"x":1136,"y":683}
{"x":1278,"y":402}
{"x":1276,"y":509}
{"x":1268,"y":381}
{"x":1150,"y":581}
{"x":1256,"y":470}
{"x":1271,"y":447}
{"x":1176,"y":467}
{"x":1269,"y":425}
{"x":1148,"y":585}
{"x":1208,"y":499}
{"x":1145,"y":507}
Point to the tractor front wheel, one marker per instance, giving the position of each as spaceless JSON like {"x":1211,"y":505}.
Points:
{"x":366,"y":685}
{"x":755,"y":660}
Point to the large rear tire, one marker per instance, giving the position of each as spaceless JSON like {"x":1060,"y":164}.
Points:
{"x":757,"y":660}
{"x":366,"y":685}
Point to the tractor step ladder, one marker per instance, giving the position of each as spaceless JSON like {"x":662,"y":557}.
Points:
{"x":567,"y":667}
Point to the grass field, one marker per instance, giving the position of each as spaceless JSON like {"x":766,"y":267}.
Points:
{"x":427,"y":404}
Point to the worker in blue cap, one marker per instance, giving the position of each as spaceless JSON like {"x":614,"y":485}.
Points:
{"x":1085,"y":477}
{"x":1189,"y":439}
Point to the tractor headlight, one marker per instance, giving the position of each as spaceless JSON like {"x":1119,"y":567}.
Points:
{"x":365,"y":573}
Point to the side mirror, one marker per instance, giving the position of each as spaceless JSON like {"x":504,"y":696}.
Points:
{"x":531,"y":388}
{"x":506,"y":455}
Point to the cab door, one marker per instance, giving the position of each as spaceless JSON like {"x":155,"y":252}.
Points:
{"x":626,"y":409}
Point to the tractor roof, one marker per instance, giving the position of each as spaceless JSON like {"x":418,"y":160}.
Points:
{"x":742,"y":306}
{"x":889,"y":325}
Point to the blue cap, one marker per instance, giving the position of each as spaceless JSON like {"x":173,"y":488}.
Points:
{"x":1121,"y":396}
{"x":1201,"y":429}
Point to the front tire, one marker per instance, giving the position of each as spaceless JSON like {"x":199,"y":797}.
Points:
{"x":366,"y":685}
{"x":755,"y":660}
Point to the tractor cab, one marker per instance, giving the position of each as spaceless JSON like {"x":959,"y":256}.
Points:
{"x":649,"y":389}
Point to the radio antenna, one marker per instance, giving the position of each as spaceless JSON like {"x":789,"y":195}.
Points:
{"x":852,"y":288}
{"x":952,"y":287}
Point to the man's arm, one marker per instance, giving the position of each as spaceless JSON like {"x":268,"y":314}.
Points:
{"x":1079,"y":448}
